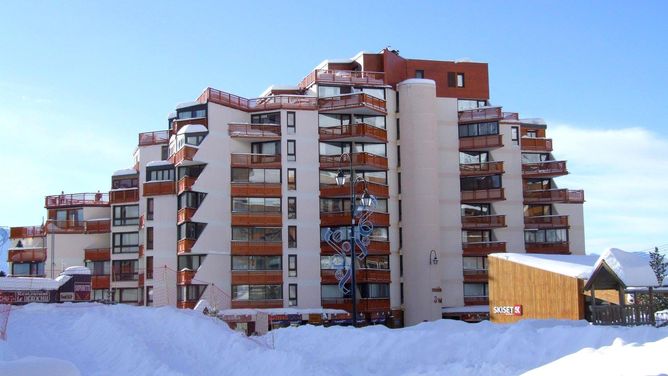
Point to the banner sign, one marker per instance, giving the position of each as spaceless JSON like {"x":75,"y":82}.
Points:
{"x":515,"y":310}
{"x":28,"y":296}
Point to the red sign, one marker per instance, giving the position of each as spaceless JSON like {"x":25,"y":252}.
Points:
{"x":82,"y":291}
{"x":28,"y":296}
{"x":515,"y":310}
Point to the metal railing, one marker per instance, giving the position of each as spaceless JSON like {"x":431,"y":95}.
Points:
{"x":345,"y":77}
{"x":77,"y":199}
{"x":273,"y":102}
{"x":154,"y":138}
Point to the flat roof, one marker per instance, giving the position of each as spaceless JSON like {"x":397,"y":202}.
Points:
{"x":576,"y":266}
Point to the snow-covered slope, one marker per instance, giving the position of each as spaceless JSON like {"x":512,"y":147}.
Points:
{"x":105,"y":340}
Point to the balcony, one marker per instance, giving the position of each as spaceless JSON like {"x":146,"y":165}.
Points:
{"x":257,"y":219}
{"x":95,"y":226}
{"x":256,"y":160}
{"x":251,"y":131}
{"x":476,"y":300}
{"x":256,"y":189}
{"x":546,"y":221}
{"x":185,"y":245}
{"x":357,"y":103}
{"x":186,"y":304}
{"x":26,"y":255}
{"x":186,"y":153}
{"x":257,"y":277}
{"x":483,"y":222}
{"x":273,"y":303}
{"x":159,"y":188}
{"x":101,"y":281}
{"x":481,"y":142}
{"x":475,"y":275}
{"x":483,"y":195}
{"x":363,"y":305}
{"x":343,"y":77}
{"x":185,"y":277}
{"x":274,"y":102}
{"x":333,"y":190}
{"x":154,"y":138}
{"x":185,"y":215}
{"x":374,"y":248}
{"x":140,"y":251}
{"x":97,"y":254}
{"x":140,"y":280}
{"x":478,"y":169}
{"x":552,"y":248}
{"x":482,"y":248}
{"x":177,"y":124}
{"x":125,"y":276}
{"x":98,"y":226}
{"x":545,"y":169}
{"x":124,"y":196}
{"x":343,"y":219}
{"x":26,"y":232}
{"x":327,"y":276}
{"x":185,"y":184}
{"x":362,"y":161}
{"x":359,"y":132}
{"x":536,"y":144}
{"x":480,"y":114}
{"x":241,"y":248}
{"x":76,"y":200}
{"x":548,"y":196}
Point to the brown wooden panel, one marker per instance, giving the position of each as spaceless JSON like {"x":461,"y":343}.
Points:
{"x":124,"y":196}
{"x":478,"y":169}
{"x":481,"y":142}
{"x":256,"y":248}
{"x":185,"y":277}
{"x":255,"y":190}
{"x":374,"y":248}
{"x":184,"y":245}
{"x":100,"y":281}
{"x":159,"y":188}
{"x":185,"y":184}
{"x":257,"y":277}
{"x":97,"y":254}
{"x":257,"y":219}
{"x":483,"y":195}
{"x":343,"y":219}
{"x":27,"y":255}
{"x":26,"y":232}
{"x":375,"y":189}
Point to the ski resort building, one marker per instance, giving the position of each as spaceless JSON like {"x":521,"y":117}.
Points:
{"x":233,"y":198}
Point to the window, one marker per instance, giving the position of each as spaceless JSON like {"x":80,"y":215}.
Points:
{"x":535,"y":157}
{"x":190,"y":230}
{"x":125,"y":242}
{"x":475,"y":183}
{"x":292,"y":265}
{"x":538,"y":184}
{"x":470,"y":104}
{"x":125,"y":270}
{"x":398,"y":155}
{"x":126,"y":215}
{"x":268,"y":118}
{"x":190,"y":262}
{"x":398,"y":129}
{"x":124,"y":182}
{"x":292,"y":236}
{"x":101,"y":295}
{"x":537,"y":210}
{"x":399,"y":210}
{"x":256,"y":205}
{"x":149,"y":209}
{"x":149,"y":238}
{"x":531,"y":134}
{"x":378,"y":234}
{"x":189,"y":292}
{"x":475,"y":290}
{"x":292,"y":153}
{"x":256,"y":263}
{"x":419,"y":73}
{"x":376,"y":262}
{"x":190,"y":200}
{"x":452,"y":79}
{"x":474,"y":210}
{"x":397,"y":96}
{"x":378,"y":177}
{"x":190,"y":171}
{"x":330,"y":292}
{"x":256,"y":234}
{"x":479,"y":129}
{"x":339,"y":205}
{"x":460,"y":79}
{"x":476,"y":236}
{"x":291,"y":123}
{"x":375,"y":290}
{"x":553,"y":235}
{"x":514,"y":135}
{"x":99,"y":267}
{"x":126,"y":295}
{"x":160,"y":174}
{"x":256,"y":175}
{"x":473,"y":265}
{"x":257,"y":292}
{"x":28,"y":269}
{"x":292,"y":179}
{"x":192,"y":113}
{"x":149,"y":267}
{"x":149,"y":295}
{"x":473,"y":157}
{"x":292,"y":295}
{"x":164,"y":152}
{"x":399,"y":182}
{"x":292,"y":207}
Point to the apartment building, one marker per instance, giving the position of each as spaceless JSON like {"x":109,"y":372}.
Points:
{"x":235,"y":196}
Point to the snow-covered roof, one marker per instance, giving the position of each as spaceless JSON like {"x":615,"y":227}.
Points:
{"x":158,"y":163}
{"x":466,"y":309}
{"x":536,"y":121}
{"x":127,"y":171}
{"x":192,"y":128}
{"x":576,"y":266}
{"x":32,"y":283}
{"x":186,"y":104}
{"x":418,"y":81}
{"x":632,"y":268}
{"x":171,"y":115}
{"x":76,"y":270}
{"x":268,"y":90}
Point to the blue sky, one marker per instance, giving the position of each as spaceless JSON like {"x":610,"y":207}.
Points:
{"x":79,"y":80}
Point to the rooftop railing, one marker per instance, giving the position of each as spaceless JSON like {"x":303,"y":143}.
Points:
{"x":274,"y":102}
{"x":77,"y":199}
{"x":154,"y":138}
{"x":343,"y":77}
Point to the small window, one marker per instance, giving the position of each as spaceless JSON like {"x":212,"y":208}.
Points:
{"x":460,"y":79}
{"x":164,"y":152}
{"x":514,"y":135}
{"x":292,"y":179}
{"x":149,"y":209}
{"x":292,"y":153}
{"x":419,"y":73}
{"x":291,"y":123}
{"x":401,"y":238}
{"x":399,"y":210}
{"x":292,"y":265}
{"x":398,"y":156}
{"x":149,"y":237}
{"x":292,"y":294}
{"x":532,"y":134}
{"x":398,"y":130}
{"x":292,"y":207}
{"x":399,"y":182}
{"x":292,"y":236}
{"x":149,"y":267}
{"x":397,"y":109}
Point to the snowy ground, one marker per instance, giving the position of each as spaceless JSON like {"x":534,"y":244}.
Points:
{"x":89,"y":339}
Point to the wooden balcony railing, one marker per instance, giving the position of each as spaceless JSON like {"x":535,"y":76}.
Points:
{"x":343,"y":218}
{"x":96,"y":226}
{"x":257,"y":219}
{"x":26,"y":255}
{"x":333,"y":190}
{"x":544,"y":169}
{"x":476,"y":169}
{"x":241,"y":248}
{"x":140,"y":280}
{"x":185,"y":184}
{"x":185,"y":276}
{"x":186,"y":153}
{"x":265,"y":131}
{"x":185,"y":245}
{"x":126,"y":195}
{"x":483,"y":248}
{"x":546,"y":221}
{"x":256,"y":189}
{"x":375,"y":247}
{"x":362,"y":276}
{"x":256,"y":160}
{"x":360,"y":132}
{"x":125,"y":276}
{"x":154,"y":138}
{"x":475,"y":275}
{"x":483,"y":221}
{"x":640,"y":314}
{"x":476,"y":300}
{"x":257,"y":277}
{"x":482,"y":195}
{"x":480,"y":114}
{"x":352,"y":102}
{"x":554,"y":196}
{"x":159,"y":188}
{"x":100,"y":281}
{"x":185,"y":215}
{"x":26,"y":232}
{"x":343,"y":77}
{"x":536,"y":144}
{"x":481,"y":142}
{"x":361,"y":161}
{"x":97,"y":254}
{"x":274,"y":102}
{"x":559,"y":248}
{"x":271,"y":303}
{"x":76,"y":199}
{"x":186,"y":304}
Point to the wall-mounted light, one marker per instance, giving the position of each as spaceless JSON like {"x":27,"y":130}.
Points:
{"x":433,"y":259}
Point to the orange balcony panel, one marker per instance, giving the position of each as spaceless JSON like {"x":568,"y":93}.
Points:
{"x":483,"y":221}
{"x":256,"y":248}
{"x":333,"y":190}
{"x":364,"y":305}
{"x":546,"y":221}
{"x":140,"y":251}
{"x":185,"y":277}
{"x":274,"y":102}
{"x":483,"y":195}
{"x":185,"y":245}
{"x":481,"y":142}
{"x":122,"y":196}
{"x":257,"y":277}
{"x":97,"y":254}
{"x":544,"y":169}
{"x":343,"y":77}
{"x":186,"y":153}
{"x":185,"y":184}
{"x":556,"y":248}
{"x":374,"y":248}
{"x":363,"y":276}
{"x":26,"y":255}
{"x":483,"y":248}
{"x":277,"y":303}
{"x":361,"y":161}
{"x":343,"y":219}
{"x":359,"y":132}
{"x":142,"y":221}
{"x":476,"y":300}
{"x":480,"y":114}
{"x":177,"y":124}
{"x":536,"y":144}
{"x":140,"y":280}
{"x":159,"y":188}
{"x":98,"y":226}
{"x":186,"y":304}
{"x":65,"y":227}
{"x":256,"y":190}
{"x":26,"y":232}
{"x":255,"y":131}
{"x":358,"y":103}
{"x":185,"y":215}
{"x":102,"y":281}
{"x":256,"y":160}
{"x":477,"y":169}
{"x":475,"y":275}
{"x":76,"y":199}
{"x":547,"y":196}
{"x":154,"y":138}
{"x":257,"y":219}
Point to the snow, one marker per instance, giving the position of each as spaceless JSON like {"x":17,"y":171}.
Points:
{"x":95,"y":339}
{"x":158,"y":163}
{"x":418,"y":81}
{"x":186,"y":104}
{"x":76,"y":270}
{"x":31,"y":283}
{"x":536,"y":121}
{"x":127,"y":171}
{"x":575,"y":266}
{"x":632,"y":268}
{"x":192,"y":128}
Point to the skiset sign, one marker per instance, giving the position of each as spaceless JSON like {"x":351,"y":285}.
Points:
{"x":515,"y":310}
